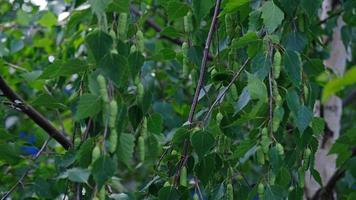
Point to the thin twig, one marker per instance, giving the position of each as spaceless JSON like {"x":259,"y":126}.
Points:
{"x":151,"y":23}
{"x":15,"y":66}
{"x":222,"y":94}
{"x":86,"y":132}
{"x":349,"y":99}
{"x":13,"y":188}
{"x":184,"y":157}
{"x":204,"y":61}
{"x":32,"y":113}
{"x":326,"y":191}
{"x":335,"y":14}
{"x":157,"y":28}
{"x":270,"y":99}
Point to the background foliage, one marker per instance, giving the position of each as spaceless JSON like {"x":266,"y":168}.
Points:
{"x":254,"y":144}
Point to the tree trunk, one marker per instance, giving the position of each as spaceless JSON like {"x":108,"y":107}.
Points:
{"x":331,"y":111}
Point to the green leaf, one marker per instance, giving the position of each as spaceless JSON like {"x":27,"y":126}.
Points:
{"x":88,"y":106}
{"x":78,"y":175}
{"x":176,"y":10}
{"x":16,"y":45}
{"x":246,"y":39}
{"x":293,"y":101}
{"x":283,"y":177}
{"x":48,"y":19}
{"x":292,"y":63}
{"x":135,"y":61}
{"x":115,"y":67}
{"x":243,"y":148}
{"x":205,"y":168}
{"x":119,"y":6}
{"x":155,"y":123}
{"x":170,"y":32}
{"x":261,"y":64}
{"x":316,"y":176}
{"x":256,"y":88}
{"x":179,"y":136}
{"x":103,"y":169}
{"x":233,"y":5}
{"x":168,"y":193}
{"x":126,"y":148}
{"x":318,"y":125}
{"x":337,"y":84}
{"x":66,"y":68}
{"x":9,"y":153}
{"x":303,"y":119}
{"x":254,"y":20}
{"x":275,"y":192}
{"x":275,"y":159}
{"x":311,"y":7}
{"x":84,"y":154}
{"x":272,"y":16}
{"x":48,"y":101}
{"x":295,"y":41}
{"x":313,"y":67}
{"x":202,"y":142}
{"x":244,"y":98}
{"x":201,"y":8}
{"x":99,"y":43}
{"x":98,"y":6}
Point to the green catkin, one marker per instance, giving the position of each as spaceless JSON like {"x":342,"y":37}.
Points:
{"x":185,"y":48}
{"x":140,"y":92}
{"x":277,"y":64}
{"x":221,"y":143}
{"x":272,"y":179}
{"x":229,"y":25}
{"x":183,"y":177}
{"x":260,"y":156}
{"x":278,"y":113}
{"x":122,"y":24}
{"x":101,"y":194}
{"x":113,"y":140}
{"x":133,"y":49}
{"x":280,"y":149}
{"x":229,"y":192}
{"x":265,"y":140}
{"x":195,"y":196}
{"x":188,"y":22}
{"x":301,"y":24}
{"x":260,"y":190}
{"x":185,"y":59}
{"x":141,"y":148}
{"x":301,"y":174}
{"x":95,"y":153}
{"x":144,"y":128}
{"x":102,"y":88}
{"x":306,"y":156}
{"x":113,"y":114}
{"x":278,"y":100}
{"x":306,"y":91}
{"x":219,"y":117}
{"x":265,"y":143}
{"x":275,"y":91}
{"x":234,"y":92}
{"x":140,"y":41}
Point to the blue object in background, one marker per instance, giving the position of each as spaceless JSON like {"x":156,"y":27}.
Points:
{"x":30,"y":139}
{"x":22,"y":134}
{"x":29,"y":150}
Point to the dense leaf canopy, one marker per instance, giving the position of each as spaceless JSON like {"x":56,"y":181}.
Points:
{"x":170,"y":99}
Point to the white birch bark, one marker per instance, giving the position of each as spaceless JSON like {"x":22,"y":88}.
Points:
{"x":326,"y":164}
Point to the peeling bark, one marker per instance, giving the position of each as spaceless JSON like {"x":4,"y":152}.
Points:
{"x":331,"y":111}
